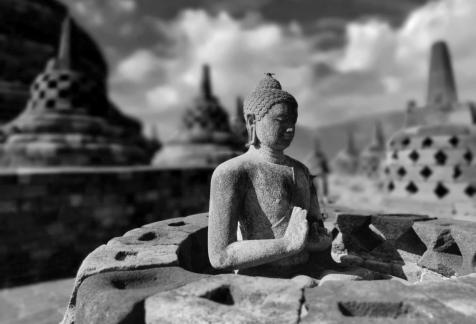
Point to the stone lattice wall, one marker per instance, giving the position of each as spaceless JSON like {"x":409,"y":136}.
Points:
{"x":51,"y":219}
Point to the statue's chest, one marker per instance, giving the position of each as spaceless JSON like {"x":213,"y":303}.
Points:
{"x":277,"y":189}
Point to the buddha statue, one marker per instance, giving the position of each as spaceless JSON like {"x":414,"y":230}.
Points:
{"x":269,"y":199}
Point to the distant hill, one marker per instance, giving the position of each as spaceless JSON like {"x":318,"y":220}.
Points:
{"x":333,"y":137}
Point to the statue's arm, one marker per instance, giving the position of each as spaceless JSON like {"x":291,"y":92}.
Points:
{"x":225,"y":252}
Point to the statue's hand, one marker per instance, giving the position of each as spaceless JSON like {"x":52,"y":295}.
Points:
{"x":319,"y":238}
{"x":296,"y":232}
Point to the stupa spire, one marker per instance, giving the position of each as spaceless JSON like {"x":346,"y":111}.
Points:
{"x":206,"y":84}
{"x":239,"y":106}
{"x":350,"y":147}
{"x":442,"y":93}
{"x":64,"y":48}
{"x":378,"y":139}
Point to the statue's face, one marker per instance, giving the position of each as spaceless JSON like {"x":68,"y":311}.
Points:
{"x":276,"y":128}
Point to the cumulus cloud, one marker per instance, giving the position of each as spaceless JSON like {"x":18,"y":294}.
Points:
{"x":95,"y":12}
{"x":239,"y":52}
{"x":400,"y":57}
{"x":378,"y":69}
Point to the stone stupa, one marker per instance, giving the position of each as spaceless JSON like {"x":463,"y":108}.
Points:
{"x":318,"y":166}
{"x":69,"y":121}
{"x":346,"y":161}
{"x":372,"y":156}
{"x":205,"y":138}
{"x":238,"y":124}
{"x":430,"y":164}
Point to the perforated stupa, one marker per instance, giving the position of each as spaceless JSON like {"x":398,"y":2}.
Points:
{"x":205,"y":138}
{"x":431,"y":166}
{"x":69,"y":121}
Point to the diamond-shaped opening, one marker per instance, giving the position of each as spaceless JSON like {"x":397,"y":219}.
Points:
{"x":52,"y":84}
{"x":414,"y":156}
{"x":63,"y":93}
{"x":378,"y":309}
{"x":50,"y":103}
{"x":401,"y":171}
{"x":454,"y":141}
{"x":405,"y":141}
{"x":411,"y":188}
{"x":441,"y":190}
{"x":390,"y":186}
{"x":427,"y":142}
{"x":426,"y":172}
{"x":440,"y":157}
{"x":468,"y":156}
{"x":221,"y":295}
{"x":445,"y":243}
{"x":367,"y":238}
{"x":456,"y":172}
{"x":470,"y":191}
{"x":411,"y":242}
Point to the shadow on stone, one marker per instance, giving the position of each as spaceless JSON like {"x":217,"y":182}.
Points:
{"x":376,"y":309}
{"x":136,"y":316}
{"x":193,"y":253}
{"x":445,"y":243}
{"x":221,"y":295}
{"x":122,"y":255}
{"x":149,"y":236}
{"x":410,"y":242}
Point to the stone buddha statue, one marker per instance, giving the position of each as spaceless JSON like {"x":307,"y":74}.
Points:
{"x":267,"y":197}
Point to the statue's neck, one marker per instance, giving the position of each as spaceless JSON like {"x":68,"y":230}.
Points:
{"x":268,"y":154}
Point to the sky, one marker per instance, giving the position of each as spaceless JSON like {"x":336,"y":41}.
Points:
{"x":341,"y":59}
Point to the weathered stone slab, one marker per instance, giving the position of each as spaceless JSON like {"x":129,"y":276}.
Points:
{"x":454,"y":294}
{"x":450,"y":246}
{"x":228,"y":299}
{"x":157,"y":245}
{"x":375,"y":302}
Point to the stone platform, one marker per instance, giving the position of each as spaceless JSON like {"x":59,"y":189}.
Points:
{"x":41,"y":303}
{"x":160,"y":273}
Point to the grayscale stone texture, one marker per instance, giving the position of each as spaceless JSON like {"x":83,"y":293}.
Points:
{"x":159,"y":273}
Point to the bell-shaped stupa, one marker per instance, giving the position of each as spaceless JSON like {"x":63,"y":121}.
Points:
{"x":69,"y":121}
{"x":205,"y":138}
{"x":372,"y":156}
{"x":430,"y":164}
{"x":347,"y":160}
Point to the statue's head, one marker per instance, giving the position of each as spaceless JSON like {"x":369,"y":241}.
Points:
{"x":270,"y":114}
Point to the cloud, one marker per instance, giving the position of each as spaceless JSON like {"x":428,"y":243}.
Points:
{"x":377,"y":69}
{"x":98,"y":13}
{"x":138,"y":67}
{"x":239,"y":52}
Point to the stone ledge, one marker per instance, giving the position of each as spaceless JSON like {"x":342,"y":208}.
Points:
{"x":399,"y":242}
{"x":166,"y":263}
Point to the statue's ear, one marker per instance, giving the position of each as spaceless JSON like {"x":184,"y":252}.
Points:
{"x":250,"y":119}
{"x":251,"y":128}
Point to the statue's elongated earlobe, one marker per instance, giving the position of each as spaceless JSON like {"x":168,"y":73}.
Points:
{"x":252,"y":138}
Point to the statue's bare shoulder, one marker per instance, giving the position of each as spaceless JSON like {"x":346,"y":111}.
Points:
{"x":232,"y":173}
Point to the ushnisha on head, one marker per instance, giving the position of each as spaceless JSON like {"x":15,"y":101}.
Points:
{"x":270,"y":115}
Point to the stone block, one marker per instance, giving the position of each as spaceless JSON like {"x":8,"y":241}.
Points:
{"x":454,"y":294}
{"x":167,"y":244}
{"x":450,"y":246}
{"x":380,"y":301}
{"x":228,"y":299}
